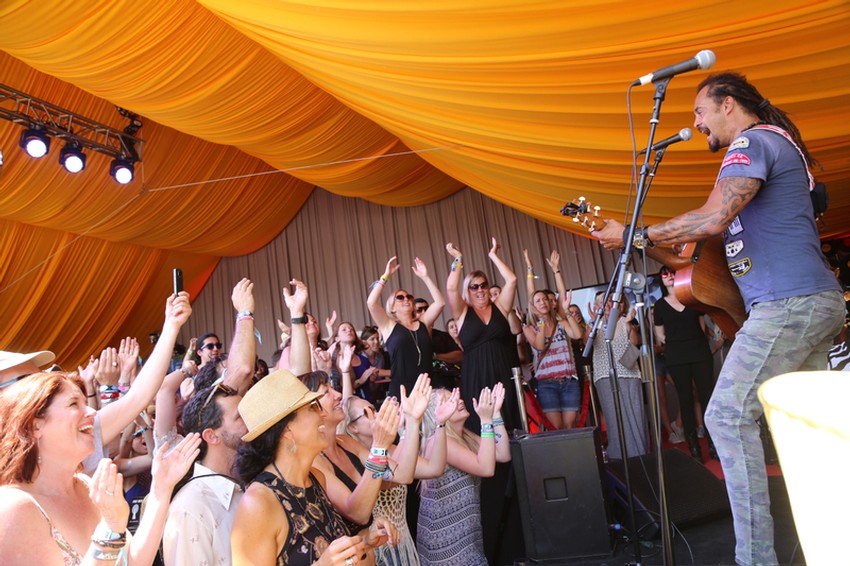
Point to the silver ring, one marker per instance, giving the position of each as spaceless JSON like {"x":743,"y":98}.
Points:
{"x":349,"y":561}
{"x":109,"y":493}
{"x":115,"y":364}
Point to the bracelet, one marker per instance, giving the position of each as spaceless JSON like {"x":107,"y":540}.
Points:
{"x":486,"y":427}
{"x":498,"y":421}
{"x":92,"y":395}
{"x":530,"y":275}
{"x":243,"y":313}
{"x":383,"y":279}
{"x":490,"y":434}
{"x":457,"y":263}
{"x":378,"y":452}
{"x":241,"y":318}
{"x":556,"y":271}
{"x":441,"y":425}
{"x":98,"y":554}
{"x":530,"y":268}
{"x":298,"y":319}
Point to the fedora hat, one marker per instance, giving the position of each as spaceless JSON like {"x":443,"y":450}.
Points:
{"x":271,"y":399}
{"x":9,"y":360}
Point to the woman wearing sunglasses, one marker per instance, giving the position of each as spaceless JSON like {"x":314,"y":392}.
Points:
{"x":407,"y":335}
{"x":286,"y":515}
{"x":392,"y":500}
{"x":489,"y":353}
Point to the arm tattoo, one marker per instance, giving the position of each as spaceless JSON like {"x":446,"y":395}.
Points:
{"x":728,"y":198}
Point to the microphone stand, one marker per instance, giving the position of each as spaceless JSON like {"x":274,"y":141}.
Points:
{"x":622,"y":277}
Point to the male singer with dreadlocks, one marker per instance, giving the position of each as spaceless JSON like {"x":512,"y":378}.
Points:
{"x":761,"y":205}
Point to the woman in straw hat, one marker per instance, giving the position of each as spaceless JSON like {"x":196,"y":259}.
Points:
{"x":285,"y":516}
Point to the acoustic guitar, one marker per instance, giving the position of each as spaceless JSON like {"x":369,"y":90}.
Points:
{"x":703,"y":281}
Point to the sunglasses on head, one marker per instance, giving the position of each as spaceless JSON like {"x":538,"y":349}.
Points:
{"x":211,"y":345}
{"x":218,"y":387}
{"x":365,"y":413}
{"x":476,"y":286}
{"x":402,"y":296}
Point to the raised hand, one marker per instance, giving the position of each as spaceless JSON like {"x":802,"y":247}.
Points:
{"x":107,"y":367}
{"x":169,"y":466}
{"x":414,"y":405}
{"x":345,"y":357}
{"x":567,"y":300}
{"x":392,"y":267}
{"x":322,"y":360}
{"x":446,"y":408}
{"x":495,"y":246}
{"x":296,"y":302}
{"x":106,"y":491}
{"x":554,"y":260}
{"x":453,"y":251}
{"x":419,"y":268}
{"x":243,"y":296}
{"x":484,"y":405}
{"x":385,"y":424}
{"x":128,"y":356}
{"x":329,"y":323}
{"x":498,"y":397}
{"x":177,"y":309}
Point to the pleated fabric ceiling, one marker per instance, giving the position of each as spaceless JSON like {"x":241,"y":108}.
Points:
{"x":398,"y":102}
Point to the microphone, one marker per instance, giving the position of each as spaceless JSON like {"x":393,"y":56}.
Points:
{"x":684,"y":135}
{"x":702,"y":60}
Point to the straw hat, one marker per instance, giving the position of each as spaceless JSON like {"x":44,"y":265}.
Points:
{"x":9,"y":360}
{"x":271,"y":399}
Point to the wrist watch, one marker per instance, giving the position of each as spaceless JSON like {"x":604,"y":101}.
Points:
{"x":641,"y":239}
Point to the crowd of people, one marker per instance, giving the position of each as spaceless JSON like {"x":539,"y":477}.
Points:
{"x":222,"y":458}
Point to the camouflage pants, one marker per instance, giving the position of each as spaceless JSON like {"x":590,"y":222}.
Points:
{"x":778,"y":337}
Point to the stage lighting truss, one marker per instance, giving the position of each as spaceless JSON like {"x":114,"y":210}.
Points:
{"x":43,"y":120}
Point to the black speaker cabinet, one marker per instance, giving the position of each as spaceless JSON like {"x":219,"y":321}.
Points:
{"x":559,"y":488}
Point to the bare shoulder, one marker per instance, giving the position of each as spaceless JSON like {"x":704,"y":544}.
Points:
{"x":352,"y":446}
{"x":24,"y":530}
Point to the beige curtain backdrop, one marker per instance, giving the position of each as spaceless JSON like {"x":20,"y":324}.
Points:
{"x":338,"y":246}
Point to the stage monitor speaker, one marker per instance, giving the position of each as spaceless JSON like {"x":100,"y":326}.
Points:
{"x":559,"y":488}
{"x":694,"y":493}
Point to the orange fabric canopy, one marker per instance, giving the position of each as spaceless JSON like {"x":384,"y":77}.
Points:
{"x":397,"y":102}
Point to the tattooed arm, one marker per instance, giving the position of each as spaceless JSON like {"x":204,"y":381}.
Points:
{"x":726,"y":200}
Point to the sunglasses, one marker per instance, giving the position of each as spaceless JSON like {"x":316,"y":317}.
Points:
{"x":211,"y":345}
{"x":666,"y":273}
{"x":316,"y":406}
{"x":421,"y":309}
{"x":219,"y":387}
{"x":402,"y":296}
{"x":476,"y":286}
{"x":365,"y":413}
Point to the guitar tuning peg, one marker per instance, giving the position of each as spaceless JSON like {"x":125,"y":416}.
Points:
{"x":592,"y":226}
{"x":576,"y":219}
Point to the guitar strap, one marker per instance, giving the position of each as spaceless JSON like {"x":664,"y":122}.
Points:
{"x":787,"y":136}
{"x":697,"y":251}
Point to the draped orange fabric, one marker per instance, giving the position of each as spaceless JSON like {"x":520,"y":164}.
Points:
{"x":248,"y":105}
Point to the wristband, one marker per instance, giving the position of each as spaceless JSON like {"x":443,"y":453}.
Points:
{"x":380,"y":452}
{"x":298,"y":320}
{"x":486,"y":427}
{"x":383,"y":279}
{"x":240,"y":314}
{"x":490,"y":434}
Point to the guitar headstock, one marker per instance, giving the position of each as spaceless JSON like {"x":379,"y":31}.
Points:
{"x":584,"y":213}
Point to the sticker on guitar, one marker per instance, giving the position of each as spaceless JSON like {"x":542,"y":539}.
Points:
{"x":585,"y":213}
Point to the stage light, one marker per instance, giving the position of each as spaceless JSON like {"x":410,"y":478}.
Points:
{"x":72,"y":158}
{"x":35,"y":142}
{"x":121,"y":170}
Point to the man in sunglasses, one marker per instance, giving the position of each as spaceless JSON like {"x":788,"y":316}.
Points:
{"x":200,"y":517}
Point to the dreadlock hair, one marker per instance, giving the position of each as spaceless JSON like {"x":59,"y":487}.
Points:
{"x":738,"y":87}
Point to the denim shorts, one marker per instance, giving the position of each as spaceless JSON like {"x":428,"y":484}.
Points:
{"x":556,"y":396}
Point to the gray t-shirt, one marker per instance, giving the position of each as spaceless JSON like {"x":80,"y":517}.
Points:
{"x":772,"y":247}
